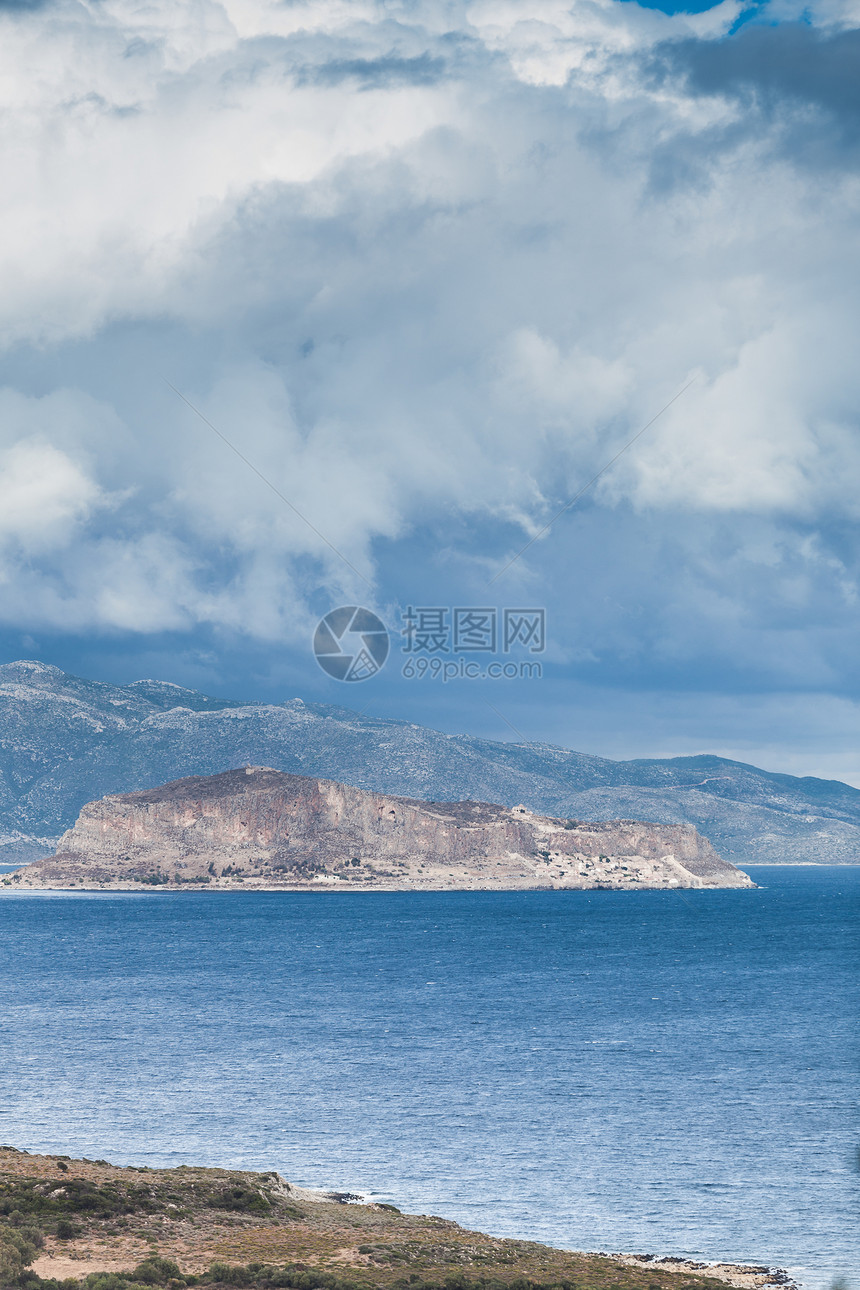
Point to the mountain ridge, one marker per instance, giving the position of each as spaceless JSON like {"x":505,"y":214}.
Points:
{"x":65,"y":741}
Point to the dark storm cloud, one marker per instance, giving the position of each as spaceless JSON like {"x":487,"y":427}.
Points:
{"x":773,"y":66}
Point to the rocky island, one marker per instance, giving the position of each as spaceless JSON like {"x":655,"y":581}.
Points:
{"x":258,"y":828}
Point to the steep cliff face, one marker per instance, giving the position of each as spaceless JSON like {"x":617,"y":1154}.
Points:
{"x":258,"y":827}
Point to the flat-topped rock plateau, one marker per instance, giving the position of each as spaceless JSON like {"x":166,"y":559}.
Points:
{"x":64,"y":1222}
{"x":261,"y":828}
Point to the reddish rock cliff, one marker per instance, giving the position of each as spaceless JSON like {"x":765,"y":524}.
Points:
{"x":260,"y":828}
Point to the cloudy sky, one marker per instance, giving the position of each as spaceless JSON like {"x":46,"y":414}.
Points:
{"x":428,"y":266}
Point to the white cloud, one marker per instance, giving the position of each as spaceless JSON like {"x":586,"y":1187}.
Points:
{"x":44,"y":495}
{"x":425,"y":265}
{"x":144,"y":127}
{"x":548,"y":40}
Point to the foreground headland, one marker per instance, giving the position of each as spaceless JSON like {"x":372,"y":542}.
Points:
{"x":63,"y":1222}
{"x":260,"y":828}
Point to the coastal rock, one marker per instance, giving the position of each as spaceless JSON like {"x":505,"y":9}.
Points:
{"x":740,"y":1276}
{"x":258,"y":827}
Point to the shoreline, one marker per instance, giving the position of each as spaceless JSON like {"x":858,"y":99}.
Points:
{"x":165,"y":890}
{"x":10,"y":888}
{"x":743,"y":1276}
{"x":204,"y":889}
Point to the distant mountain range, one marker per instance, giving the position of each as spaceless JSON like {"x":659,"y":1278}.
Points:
{"x":65,"y":741}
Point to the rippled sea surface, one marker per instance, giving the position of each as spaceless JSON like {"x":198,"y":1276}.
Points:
{"x":640,"y":1071}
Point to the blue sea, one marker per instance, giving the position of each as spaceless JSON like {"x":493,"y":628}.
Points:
{"x":673,"y":1072}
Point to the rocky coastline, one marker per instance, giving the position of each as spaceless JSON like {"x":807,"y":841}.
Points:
{"x":742,"y":1276}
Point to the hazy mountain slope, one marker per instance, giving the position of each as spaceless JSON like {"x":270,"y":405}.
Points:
{"x":65,"y":741}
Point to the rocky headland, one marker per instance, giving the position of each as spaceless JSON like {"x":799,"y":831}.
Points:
{"x":261,"y":828}
{"x":89,"y":1225}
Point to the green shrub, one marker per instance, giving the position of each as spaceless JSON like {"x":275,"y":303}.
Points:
{"x":155,"y":1271}
{"x":227,"y":1274}
{"x":38,"y":1198}
{"x":18,"y":1248}
{"x":239,"y":1199}
{"x":109,"y":1281}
